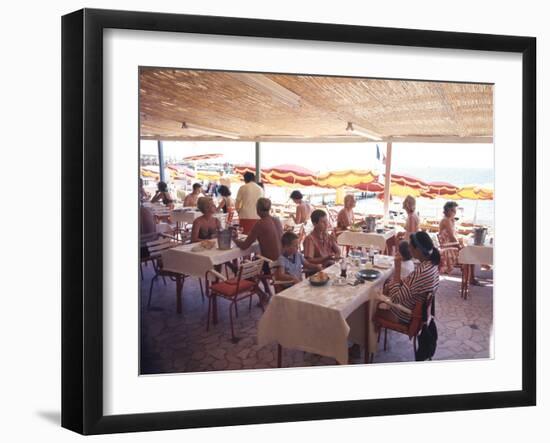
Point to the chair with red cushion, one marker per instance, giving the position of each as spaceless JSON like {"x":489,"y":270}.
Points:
{"x":419,"y":317}
{"x":241,"y":287}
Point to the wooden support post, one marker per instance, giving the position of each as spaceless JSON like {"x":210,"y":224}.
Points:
{"x":161,"y":160}
{"x":258,"y":162}
{"x":387,"y":181}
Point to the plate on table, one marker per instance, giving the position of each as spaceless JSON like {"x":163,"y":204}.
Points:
{"x":368,"y":274}
{"x":319,"y":279}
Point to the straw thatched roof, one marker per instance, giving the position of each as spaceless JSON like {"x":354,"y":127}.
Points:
{"x":212,"y":105}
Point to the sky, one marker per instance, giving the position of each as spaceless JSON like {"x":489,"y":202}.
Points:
{"x":333,"y":156}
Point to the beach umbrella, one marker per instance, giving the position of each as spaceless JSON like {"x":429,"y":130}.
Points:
{"x":402,"y":185}
{"x":376,"y":187}
{"x":441,"y":190}
{"x":180,"y":172}
{"x":356,"y":178}
{"x":473,"y":192}
{"x":208,"y":176}
{"x":150,"y":172}
{"x":241,"y":169}
{"x":284,"y":175}
{"x":201,"y":157}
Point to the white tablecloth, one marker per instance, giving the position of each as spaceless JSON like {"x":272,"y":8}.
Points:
{"x":363,"y":239}
{"x":196,"y":263}
{"x":185,"y":216}
{"x":320,"y":319}
{"x":476,"y":255}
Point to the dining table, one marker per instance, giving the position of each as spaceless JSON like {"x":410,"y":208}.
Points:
{"x":323,"y":319}
{"x":194,"y":260}
{"x":384,"y":241}
{"x":470,"y":256}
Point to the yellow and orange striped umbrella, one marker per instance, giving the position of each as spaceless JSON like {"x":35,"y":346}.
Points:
{"x":441,"y":190}
{"x":402,"y":185}
{"x":201,"y":157}
{"x":349,"y":177}
{"x":284,"y":175}
{"x":473,"y":192}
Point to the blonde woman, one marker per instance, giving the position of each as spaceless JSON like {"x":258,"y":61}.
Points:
{"x":413,"y":222}
{"x":448,"y":240}
{"x":206,"y":226}
{"x":345,"y":216}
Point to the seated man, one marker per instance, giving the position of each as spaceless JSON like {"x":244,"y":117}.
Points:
{"x":192,"y":198}
{"x":268,"y":231}
{"x":289,"y":265}
{"x":320,"y":247}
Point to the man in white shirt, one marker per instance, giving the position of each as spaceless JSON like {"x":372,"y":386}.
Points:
{"x":246,"y":200}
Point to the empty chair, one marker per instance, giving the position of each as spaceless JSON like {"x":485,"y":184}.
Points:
{"x":241,"y":287}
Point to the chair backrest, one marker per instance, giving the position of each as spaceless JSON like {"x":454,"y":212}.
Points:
{"x":155,"y":247}
{"x":250,"y":269}
{"x":420,"y":314}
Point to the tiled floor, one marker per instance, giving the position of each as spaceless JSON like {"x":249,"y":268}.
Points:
{"x":172,"y":342}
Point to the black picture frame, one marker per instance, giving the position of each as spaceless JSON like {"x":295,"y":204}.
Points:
{"x":82,"y":218}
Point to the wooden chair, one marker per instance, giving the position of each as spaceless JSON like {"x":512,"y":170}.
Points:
{"x":420,"y":316}
{"x":241,"y":287}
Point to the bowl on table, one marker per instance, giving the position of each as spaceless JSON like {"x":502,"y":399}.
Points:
{"x":319,"y":279}
{"x":368,"y":274}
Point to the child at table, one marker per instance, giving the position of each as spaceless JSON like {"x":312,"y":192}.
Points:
{"x":407,"y":265}
{"x":288,"y":268}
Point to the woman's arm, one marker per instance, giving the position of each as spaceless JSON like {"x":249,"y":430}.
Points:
{"x":195,"y":230}
{"x":221,"y":205}
{"x":312,"y":266}
{"x":156,"y":197}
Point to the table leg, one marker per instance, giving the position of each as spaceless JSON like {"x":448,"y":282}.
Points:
{"x":279,"y":356}
{"x":214,"y":302}
{"x":179,"y":286}
{"x":467,"y":281}
{"x":367,"y":334}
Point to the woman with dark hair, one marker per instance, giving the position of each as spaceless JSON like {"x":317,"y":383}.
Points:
{"x":448,"y":241}
{"x":413,"y":288}
{"x":303,"y":209}
{"x":226,"y":204}
{"x":163,"y":195}
{"x":206,"y":226}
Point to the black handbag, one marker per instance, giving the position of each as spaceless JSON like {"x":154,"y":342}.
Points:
{"x":427,"y":340}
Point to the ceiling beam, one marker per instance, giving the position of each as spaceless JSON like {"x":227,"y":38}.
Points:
{"x":327,"y":139}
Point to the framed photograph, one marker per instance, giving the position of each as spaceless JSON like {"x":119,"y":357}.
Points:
{"x":269,"y":221}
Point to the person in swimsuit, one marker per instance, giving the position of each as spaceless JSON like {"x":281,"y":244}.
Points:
{"x":227,"y":204}
{"x":413,"y":222}
{"x":192,"y":198}
{"x":345,"y":216}
{"x":448,"y":241}
{"x":320,"y":247}
{"x":303,"y":209}
{"x":163,"y":195}
{"x":206,"y":226}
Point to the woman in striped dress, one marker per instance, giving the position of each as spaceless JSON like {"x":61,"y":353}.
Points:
{"x":424,"y":279}
{"x":448,"y":243}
